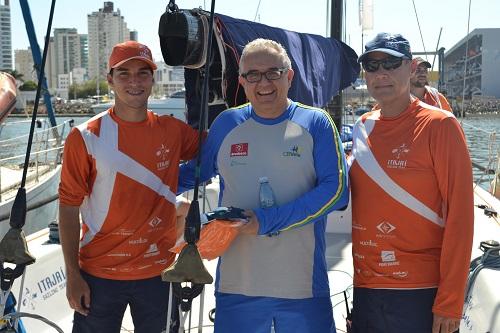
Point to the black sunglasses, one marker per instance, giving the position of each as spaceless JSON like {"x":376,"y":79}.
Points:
{"x":272,"y":74}
{"x":389,"y":63}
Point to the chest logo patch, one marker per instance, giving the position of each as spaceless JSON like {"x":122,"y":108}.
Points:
{"x":239,"y":149}
{"x":398,"y":153}
{"x":162,"y":155}
{"x":294,"y":151}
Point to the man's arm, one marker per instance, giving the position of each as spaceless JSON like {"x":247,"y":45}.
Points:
{"x":77,"y":290}
{"x":453,"y":171}
{"x":209,"y":150}
{"x":331,"y":190}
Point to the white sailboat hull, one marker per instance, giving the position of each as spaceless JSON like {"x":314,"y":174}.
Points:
{"x":44,"y":288}
{"x":42,"y":194}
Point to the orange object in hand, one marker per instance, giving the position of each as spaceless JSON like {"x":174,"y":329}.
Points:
{"x":215,"y":238}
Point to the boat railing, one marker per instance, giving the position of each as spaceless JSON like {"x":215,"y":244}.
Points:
{"x":484,"y":143}
{"x":41,"y":162}
{"x":45,"y":155}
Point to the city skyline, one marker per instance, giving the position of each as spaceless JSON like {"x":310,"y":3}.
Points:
{"x":389,"y":16}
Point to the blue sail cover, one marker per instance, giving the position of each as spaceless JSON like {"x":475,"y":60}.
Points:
{"x":323,"y":67}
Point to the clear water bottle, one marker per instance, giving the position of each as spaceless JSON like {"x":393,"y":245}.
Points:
{"x":266,"y":197}
{"x":266,"y":194}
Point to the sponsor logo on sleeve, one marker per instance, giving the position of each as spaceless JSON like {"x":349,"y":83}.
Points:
{"x":239,"y":149}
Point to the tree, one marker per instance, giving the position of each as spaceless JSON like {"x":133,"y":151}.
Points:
{"x":28,"y":86}
{"x":87,"y":89}
{"x":14,"y":73}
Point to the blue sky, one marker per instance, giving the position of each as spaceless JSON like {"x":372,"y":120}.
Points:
{"x":303,"y":16}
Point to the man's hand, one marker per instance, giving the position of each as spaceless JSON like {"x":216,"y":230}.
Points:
{"x":78,"y":293}
{"x":252,"y":226}
{"x":444,"y":324}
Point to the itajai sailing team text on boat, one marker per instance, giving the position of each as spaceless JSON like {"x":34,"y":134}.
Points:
{"x":43,"y":288}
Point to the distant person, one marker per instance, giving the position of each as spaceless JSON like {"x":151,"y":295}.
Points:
{"x":412,"y":201}
{"x":120,"y":173}
{"x":274,"y":272}
{"x":420,"y":88}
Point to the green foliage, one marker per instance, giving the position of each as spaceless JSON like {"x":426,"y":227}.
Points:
{"x":88,"y":89}
{"x":28,"y":86}
{"x":14,"y":73}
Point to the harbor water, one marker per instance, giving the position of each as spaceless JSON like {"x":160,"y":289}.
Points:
{"x":482,"y":132}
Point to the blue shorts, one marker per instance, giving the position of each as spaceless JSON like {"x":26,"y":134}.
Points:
{"x":148,"y":301}
{"x":391,"y":311}
{"x":245,"y":314}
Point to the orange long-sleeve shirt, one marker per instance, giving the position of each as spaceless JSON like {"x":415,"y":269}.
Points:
{"x":123,"y":176}
{"x":412,"y":201}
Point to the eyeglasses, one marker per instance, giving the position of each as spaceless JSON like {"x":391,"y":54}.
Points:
{"x":272,"y":75}
{"x":389,"y":63}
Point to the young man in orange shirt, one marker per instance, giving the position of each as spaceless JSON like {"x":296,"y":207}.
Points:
{"x":419,"y":85}
{"x":412,"y":200}
{"x":120,"y":173}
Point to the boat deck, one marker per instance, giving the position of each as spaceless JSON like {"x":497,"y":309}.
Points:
{"x":338,"y":255}
{"x":339,"y":259}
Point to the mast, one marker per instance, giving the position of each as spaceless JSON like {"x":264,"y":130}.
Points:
{"x":334,"y":108}
{"x":37,"y":58}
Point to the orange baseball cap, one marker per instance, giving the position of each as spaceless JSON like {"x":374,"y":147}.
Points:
{"x":129,"y":50}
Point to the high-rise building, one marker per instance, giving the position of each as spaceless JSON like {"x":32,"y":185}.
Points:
{"x":106,"y":28}
{"x":84,"y":51}
{"x":134,"y":35}
{"x":67,"y":50}
{"x":24,"y":65}
{"x":5,"y":36}
{"x":51,"y":65}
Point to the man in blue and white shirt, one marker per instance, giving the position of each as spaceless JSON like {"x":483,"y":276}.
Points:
{"x":279,"y":280}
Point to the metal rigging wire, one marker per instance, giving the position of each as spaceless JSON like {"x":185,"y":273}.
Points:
{"x":257,"y":11}
{"x":465,"y":61}
{"x":419,"y":29}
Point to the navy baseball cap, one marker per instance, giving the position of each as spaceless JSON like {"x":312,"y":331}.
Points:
{"x":395,"y":45}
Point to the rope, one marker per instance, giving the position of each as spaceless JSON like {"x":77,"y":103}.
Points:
{"x":487,"y":261}
{"x":17,"y":315}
